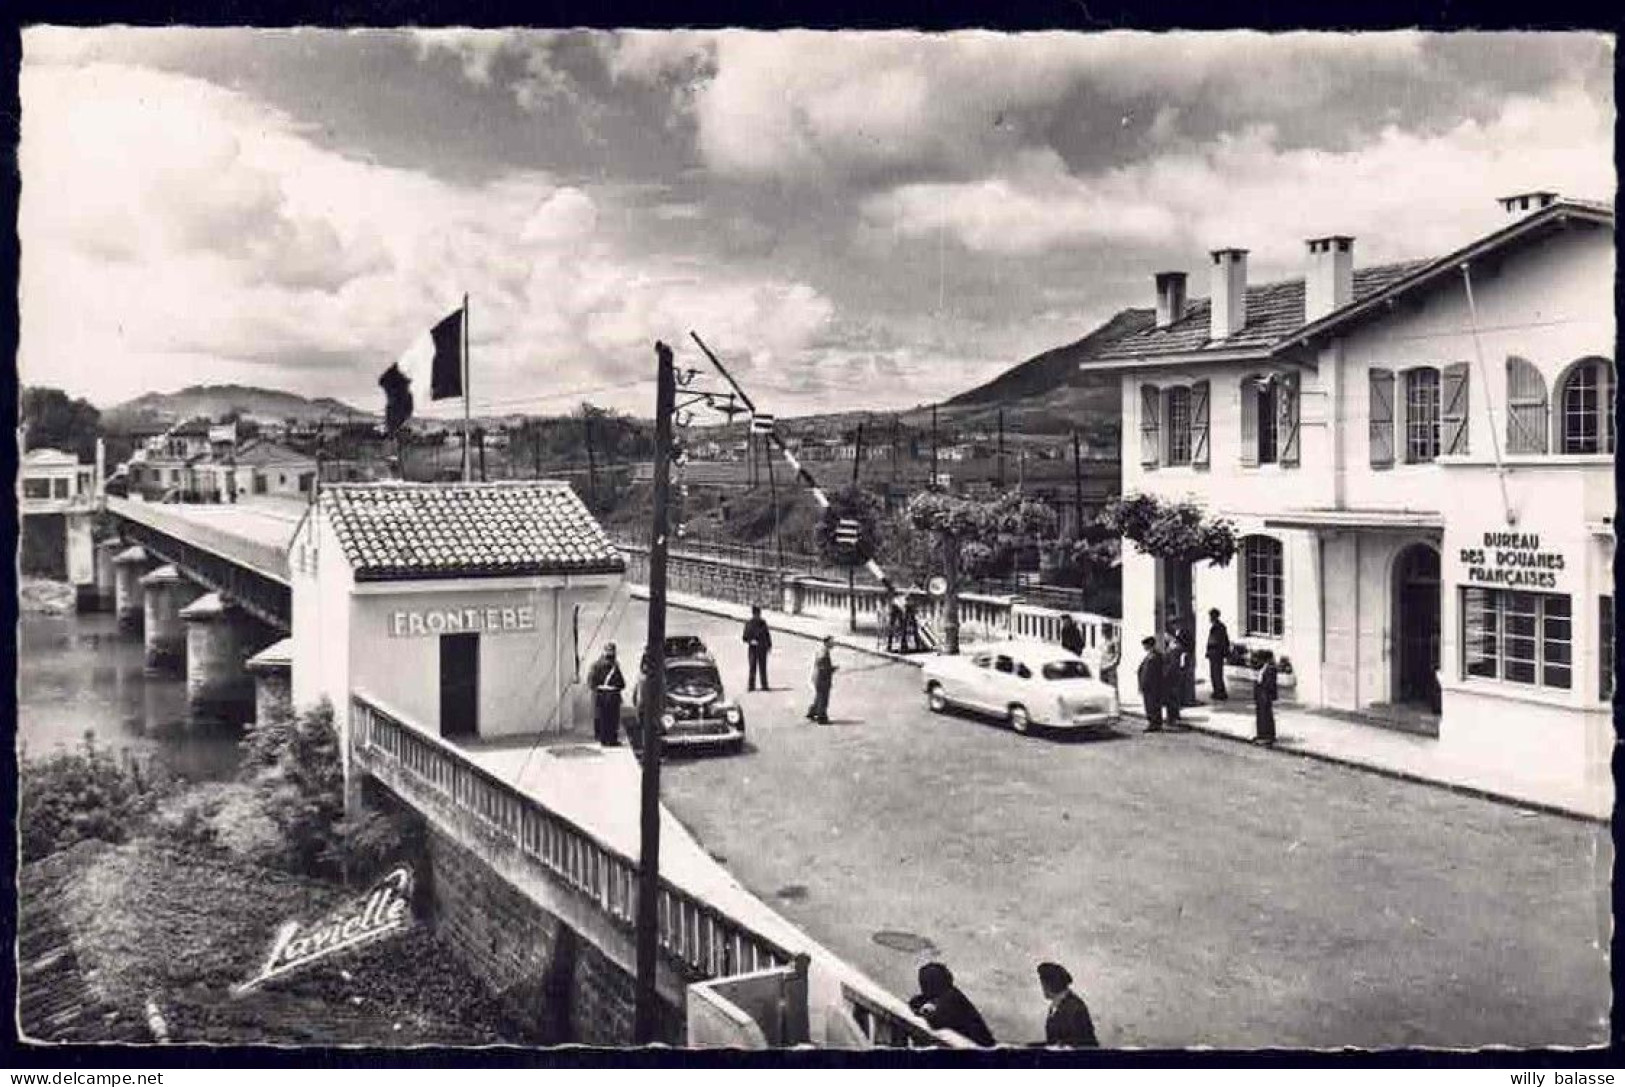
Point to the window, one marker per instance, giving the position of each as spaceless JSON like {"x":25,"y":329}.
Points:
{"x":1526,"y":407}
{"x":59,"y":488}
{"x":1060,"y":670}
{"x":1179,"y":424}
{"x":1518,"y":637}
{"x":1004,"y":664}
{"x":36,"y":488}
{"x":1421,"y":415}
{"x":1586,"y":404}
{"x":1269,"y":420}
{"x":1605,"y":648}
{"x":1262,"y":567}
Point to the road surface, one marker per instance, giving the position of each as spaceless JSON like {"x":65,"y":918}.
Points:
{"x":1202,"y":892}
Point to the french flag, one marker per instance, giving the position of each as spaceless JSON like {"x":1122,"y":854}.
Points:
{"x":433,"y":364}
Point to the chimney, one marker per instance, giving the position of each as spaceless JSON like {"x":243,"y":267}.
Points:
{"x":1229,"y":295}
{"x":1519,"y":203}
{"x":1170,"y":297}
{"x":1329,"y":282}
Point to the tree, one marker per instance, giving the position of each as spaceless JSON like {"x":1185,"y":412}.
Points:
{"x":972,"y":533}
{"x":1178,"y":533}
{"x":56,"y":422}
{"x":855,"y":504}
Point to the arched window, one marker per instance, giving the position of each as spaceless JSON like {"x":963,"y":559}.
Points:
{"x":1264,"y":588}
{"x":1586,"y":408}
{"x":1526,"y":407}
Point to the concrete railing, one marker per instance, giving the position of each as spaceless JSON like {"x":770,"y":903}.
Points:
{"x":696,"y":935}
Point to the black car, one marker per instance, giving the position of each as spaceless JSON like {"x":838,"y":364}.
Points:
{"x":697,"y":711}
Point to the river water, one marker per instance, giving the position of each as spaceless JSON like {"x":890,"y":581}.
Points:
{"x":77,"y":673}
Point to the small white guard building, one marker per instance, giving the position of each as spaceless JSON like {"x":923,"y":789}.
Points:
{"x":466,"y":610}
{"x":1419,"y":459}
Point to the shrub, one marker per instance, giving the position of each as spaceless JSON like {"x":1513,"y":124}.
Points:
{"x":74,"y":796}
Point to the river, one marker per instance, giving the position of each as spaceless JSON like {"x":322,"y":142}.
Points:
{"x":78,"y":674}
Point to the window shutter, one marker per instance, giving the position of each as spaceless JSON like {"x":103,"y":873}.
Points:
{"x":1382,"y":418}
{"x":1199,"y":425}
{"x":1288,"y":400}
{"x":1249,"y":423}
{"x":1527,"y":425}
{"x":1453,"y":400}
{"x":1150,"y":428}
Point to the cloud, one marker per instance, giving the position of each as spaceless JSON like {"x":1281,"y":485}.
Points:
{"x":1404,"y":194}
{"x":217,"y":239}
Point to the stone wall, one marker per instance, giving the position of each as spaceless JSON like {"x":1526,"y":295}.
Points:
{"x":715,"y":579}
{"x":558,"y":987}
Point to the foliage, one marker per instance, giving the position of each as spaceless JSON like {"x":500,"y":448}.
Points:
{"x":1175,"y":531}
{"x":54,"y":421}
{"x":989,"y":534}
{"x":74,"y":796}
{"x":857,"y":504}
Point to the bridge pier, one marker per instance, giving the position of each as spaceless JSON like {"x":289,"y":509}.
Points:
{"x":272,"y":669}
{"x":219,"y":639}
{"x":106,"y":551}
{"x":166,"y":592}
{"x":129,"y":603}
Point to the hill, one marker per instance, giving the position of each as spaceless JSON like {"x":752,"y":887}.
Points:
{"x":215,"y":401}
{"x":1053,"y":375}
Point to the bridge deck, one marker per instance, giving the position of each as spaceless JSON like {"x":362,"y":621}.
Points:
{"x":253,"y":533}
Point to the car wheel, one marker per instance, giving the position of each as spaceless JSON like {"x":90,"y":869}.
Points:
{"x":935,"y":698}
{"x":1019,"y":719}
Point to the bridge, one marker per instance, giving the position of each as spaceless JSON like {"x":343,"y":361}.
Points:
{"x":532,"y":834}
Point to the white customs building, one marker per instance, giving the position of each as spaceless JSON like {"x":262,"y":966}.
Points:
{"x":1419,"y":459}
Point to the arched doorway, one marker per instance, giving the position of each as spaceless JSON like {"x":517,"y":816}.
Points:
{"x":1416,"y":626}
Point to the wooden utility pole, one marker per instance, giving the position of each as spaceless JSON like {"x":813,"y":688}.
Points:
{"x":1077,"y":484}
{"x":933,"y":447}
{"x":857,"y":455}
{"x":592,"y":458}
{"x":895,"y":433}
{"x":480,"y":435}
{"x":468,"y":464}
{"x":852,"y":567}
{"x":536,"y":446}
{"x":1001,"y":449}
{"x":646,"y":1017}
{"x":773,"y":496}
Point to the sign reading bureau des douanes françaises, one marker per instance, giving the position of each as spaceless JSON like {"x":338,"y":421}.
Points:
{"x":431,"y":622}
{"x":385,"y":911}
{"x":1512,"y":560}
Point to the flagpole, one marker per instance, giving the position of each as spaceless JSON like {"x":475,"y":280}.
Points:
{"x":467,"y":460}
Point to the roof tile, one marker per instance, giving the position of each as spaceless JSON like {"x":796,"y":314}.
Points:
{"x":392,"y":531}
{"x":1274,"y":311}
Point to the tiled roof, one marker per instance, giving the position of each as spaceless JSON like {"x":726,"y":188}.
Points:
{"x":1274,"y":311}
{"x":263,"y":452}
{"x":192,"y":428}
{"x":394,"y":531}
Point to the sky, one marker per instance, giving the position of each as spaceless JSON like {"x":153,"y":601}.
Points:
{"x":848,"y":220}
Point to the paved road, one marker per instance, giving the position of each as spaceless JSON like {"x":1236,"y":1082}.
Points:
{"x":1202,"y":892}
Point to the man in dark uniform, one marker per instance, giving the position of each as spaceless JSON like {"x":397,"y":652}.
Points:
{"x":1173,"y":679}
{"x":607,"y":683}
{"x":823,"y":680}
{"x":896,"y":636}
{"x":1068,"y":1022}
{"x":1218,"y":648}
{"x":1150,"y":674}
{"x":944,"y":1007}
{"x":1071,"y":636}
{"x":758,"y":641}
{"x":911,"y":628}
{"x":1264,"y":695}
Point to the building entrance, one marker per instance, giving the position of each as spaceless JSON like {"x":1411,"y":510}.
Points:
{"x":1416,"y":589}
{"x":459,"y":685}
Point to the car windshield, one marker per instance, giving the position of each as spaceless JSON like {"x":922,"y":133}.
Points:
{"x":1066,"y":669}
{"x":691,"y":679}
{"x":684,"y":645}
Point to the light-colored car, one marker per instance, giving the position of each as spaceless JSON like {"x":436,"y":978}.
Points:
{"x":1026,"y":684}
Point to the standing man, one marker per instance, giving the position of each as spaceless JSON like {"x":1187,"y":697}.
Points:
{"x":823,"y":678}
{"x":1150,"y":676}
{"x":1111,"y":656}
{"x":1173,"y":679}
{"x":1068,"y":1022}
{"x":1071,"y":635}
{"x":1264,"y":695}
{"x":911,"y":627}
{"x":757,"y":641}
{"x":607,"y":684}
{"x":1218,"y":650}
{"x":895,"y":637}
